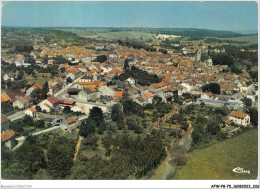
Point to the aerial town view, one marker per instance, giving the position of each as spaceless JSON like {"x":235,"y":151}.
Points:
{"x":129,"y":91}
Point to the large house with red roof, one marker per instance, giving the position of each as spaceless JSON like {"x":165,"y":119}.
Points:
{"x":239,"y":118}
{"x":49,"y":104}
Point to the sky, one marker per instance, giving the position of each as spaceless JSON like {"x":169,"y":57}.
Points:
{"x":231,"y":16}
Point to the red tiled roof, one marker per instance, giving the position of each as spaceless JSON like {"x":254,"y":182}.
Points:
{"x":70,"y":120}
{"x":238,"y":114}
{"x":7,"y":135}
{"x":68,"y":102}
{"x":4,"y":118}
{"x":53,"y":100}
{"x":149,"y":95}
{"x":4,"y":98}
{"x":119,"y":94}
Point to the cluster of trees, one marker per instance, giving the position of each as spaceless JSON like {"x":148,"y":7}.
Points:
{"x":95,"y":123}
{"x":141,"y":77}
{"x":6,"y":108}
{"x":205,"y":128}
{"x":19,"y":126}
{"x":211,"y":87}
{"x":100,"y":58}
{"x":130,"y":158}
{"x":136,"y":45}
{"x":42,"y":157}
{"x":60,"y":60}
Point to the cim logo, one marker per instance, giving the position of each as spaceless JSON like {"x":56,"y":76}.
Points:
{"x":240,"y":170}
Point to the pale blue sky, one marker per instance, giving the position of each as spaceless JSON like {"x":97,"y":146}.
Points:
{"x":207,"y":15}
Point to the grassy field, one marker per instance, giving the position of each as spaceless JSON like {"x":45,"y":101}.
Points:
{"x":253,"y":39}
{"x":217,"y":162}
{"x":40,"y":80}
{"x":112,"y":35}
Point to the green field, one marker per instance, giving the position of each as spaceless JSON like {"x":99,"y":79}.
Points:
{"x":252,"y":39}
{"x":111,"y":35}
{"x":217,"y":162}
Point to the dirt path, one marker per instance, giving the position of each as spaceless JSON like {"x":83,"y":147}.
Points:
{"x":166,"y":167}
{"x":77,"y":148}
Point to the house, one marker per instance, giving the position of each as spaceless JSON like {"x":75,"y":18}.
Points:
{"x":89,"y":94}
{"x":14,"y":94}
{"x":148,"y":97}
{"x":119,"y":95}
{"x":30,"y":112}
{"x":5,"y":123}
{"x":50,"y":103}
{"x":4,"y":98}
{"x":85,"y":78}
{"x":240,"y":118}
{"x":71,"y":123}
{"x":131,"y":81}
{"x":69,"y":103}
{"x":53,"y":120}
{"x":208,"y":95}
{"x":106,"y":91}
{"x":73,"y":73}
{"x":140,"y":100}
{"x":23,"y":103}
{"x":132,"y":92}
{"x":8,"y":138}
{"x":188,"y":101}
{"x":32,"y":88}
{"x":8,"y":77}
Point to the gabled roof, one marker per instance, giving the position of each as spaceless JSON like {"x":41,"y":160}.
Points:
{"x":4,"y":118}
{"x":25,"y":99}
{"x":7,"y":135}
{"x":149,"y":95}
{"x":12,"y":94}
{"x":70,"y":120}
{"x":119,"y":94}
{"x":238,"y":114}
{"x":53,"y":100}
{"x":4,"y":98}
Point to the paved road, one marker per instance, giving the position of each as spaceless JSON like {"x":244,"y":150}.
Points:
{"x":16,"y":116}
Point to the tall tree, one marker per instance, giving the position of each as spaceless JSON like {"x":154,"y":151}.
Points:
{"x":87,"y":128}
{"x":96,"y":115}
{"x":126,"y":64}
{"x":45,"y":90}
{"x":117,"y":114}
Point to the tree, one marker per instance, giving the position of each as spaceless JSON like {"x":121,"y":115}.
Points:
{"x":38,"y":108}
{"x":39,"y":124}
{"x":211,"y":87}
{"x":247,"y":102}
{"x":30,"y":157}
{"x":62,"y":69}
{"x":66,"y":109}
{"x":100,"y":58}
{"x":87,"y":128}
{"x":96,"y":115}
{"x":45,"y":90}
{"x":126,"y":65}
{"x":20,"y":75}
{"x":69,"y":80}
{"x":184,"y":125}
{"x":253,"y":113}
{"x":117,"y":114}
{"x":60,"y":154}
